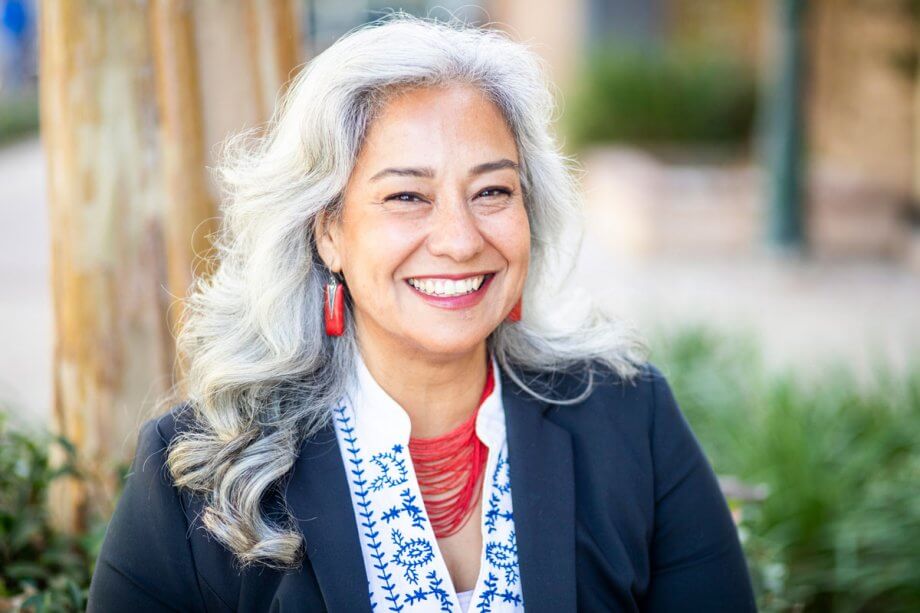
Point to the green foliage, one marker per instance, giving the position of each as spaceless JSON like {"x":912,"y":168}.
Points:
{"x":18,"y":116}
{"x":41,"y":569}
{"x":660,"y":97}
{"x":839,"y":528}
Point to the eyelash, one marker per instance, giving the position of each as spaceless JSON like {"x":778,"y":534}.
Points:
{"x":504,"y":191}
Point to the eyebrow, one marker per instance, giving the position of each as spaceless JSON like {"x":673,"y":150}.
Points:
{"x":428,"y":173}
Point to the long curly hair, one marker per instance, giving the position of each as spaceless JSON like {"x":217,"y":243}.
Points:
{"x":259,"y":374}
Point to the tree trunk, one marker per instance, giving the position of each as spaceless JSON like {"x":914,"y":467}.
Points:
{"x":190,"y":213}
{"x":274,"y":45}
{"x":112,"y":349}
{"x":134,"y":99}
{"x":247,"y":50}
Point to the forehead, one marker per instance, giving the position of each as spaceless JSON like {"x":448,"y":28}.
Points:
{"x":457,"y":123}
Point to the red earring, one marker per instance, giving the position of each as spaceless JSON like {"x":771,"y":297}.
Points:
{"x":334,"y":307}
{"x":515,"y":314}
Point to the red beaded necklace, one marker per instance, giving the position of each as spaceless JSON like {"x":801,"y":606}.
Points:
{"x":447,"y":462}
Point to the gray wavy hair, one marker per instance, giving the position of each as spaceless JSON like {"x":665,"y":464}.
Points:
{"x":260,"y":375}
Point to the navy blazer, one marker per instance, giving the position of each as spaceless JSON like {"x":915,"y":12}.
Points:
{"x":616,"y":508}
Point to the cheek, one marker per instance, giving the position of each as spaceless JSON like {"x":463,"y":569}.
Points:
{"x":377,"y":248}
{"x":523,"y":238}
{"x":510,"y":233}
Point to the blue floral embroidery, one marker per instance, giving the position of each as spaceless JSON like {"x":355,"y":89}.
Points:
{"x":392,"y":469}
{"x":408,"y":507}
{"x":501,"y":476}
{"x":365,"y":513}
{"x":501,"y":482}
{"x":493,"y":513}
{"x":492,"y":592}
{"x":504,"y":556}
{"x":411,"y":554}
{"x":434,"y":589}
{"x":488,"y":594}
{"x":420,"y":582}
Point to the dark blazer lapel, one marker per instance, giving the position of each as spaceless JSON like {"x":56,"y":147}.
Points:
{"x":320,"y":499}
{"x":542,"y":495}
{"x":543,"y":500}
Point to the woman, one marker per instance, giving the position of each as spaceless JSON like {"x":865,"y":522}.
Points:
{"x":392,"y":402}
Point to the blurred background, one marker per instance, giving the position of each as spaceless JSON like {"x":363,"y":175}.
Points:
{"x":751,"y":179}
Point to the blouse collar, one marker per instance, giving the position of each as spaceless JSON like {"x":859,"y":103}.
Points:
{"x":377,"y":414}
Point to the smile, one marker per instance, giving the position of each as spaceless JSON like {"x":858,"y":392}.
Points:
{"x":444,"y":287}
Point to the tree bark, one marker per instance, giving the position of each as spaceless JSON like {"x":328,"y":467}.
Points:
{"x":247,"y":51}
{"x":112,"y":349}
{"x":134,"y":100}
{"x":275,"y":48}
{"x":190,"y":212}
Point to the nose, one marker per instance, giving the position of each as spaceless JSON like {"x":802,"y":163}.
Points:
{"x":454,"y":232}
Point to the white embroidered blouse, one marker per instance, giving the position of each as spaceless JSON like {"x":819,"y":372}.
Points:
{"x":404,"y":566}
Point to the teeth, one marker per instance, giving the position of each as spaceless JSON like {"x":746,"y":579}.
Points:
{"x":447,"y":287}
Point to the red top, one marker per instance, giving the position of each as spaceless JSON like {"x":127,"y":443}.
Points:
{"x":445,"y":463}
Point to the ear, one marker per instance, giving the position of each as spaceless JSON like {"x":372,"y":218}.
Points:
{"x":327,"y":234}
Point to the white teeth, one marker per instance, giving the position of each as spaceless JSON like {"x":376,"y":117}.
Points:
{"x":448,"y":287}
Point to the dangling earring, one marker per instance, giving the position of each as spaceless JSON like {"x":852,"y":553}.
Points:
{"x":334,"y":307}
{"x":515,"y":314}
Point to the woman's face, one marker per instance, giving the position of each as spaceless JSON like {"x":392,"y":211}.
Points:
{"x":434,"y":240}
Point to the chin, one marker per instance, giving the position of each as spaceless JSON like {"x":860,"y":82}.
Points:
{"x":448,"y":341}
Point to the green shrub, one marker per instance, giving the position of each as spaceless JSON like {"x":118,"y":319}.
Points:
{"x":839,"y":528}
{"x":41,"y":569}
{"x":18,"y":116}
{"x":660,"y":97}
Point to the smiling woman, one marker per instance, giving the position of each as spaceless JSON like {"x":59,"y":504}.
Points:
{"x":392,"y":401}
{"x":434,"y":204}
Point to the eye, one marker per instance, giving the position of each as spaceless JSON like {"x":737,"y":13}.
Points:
{"x":405,"y":197}
{"x":496,"y":192}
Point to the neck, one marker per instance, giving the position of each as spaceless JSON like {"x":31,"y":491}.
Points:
{"x":437,"y":393}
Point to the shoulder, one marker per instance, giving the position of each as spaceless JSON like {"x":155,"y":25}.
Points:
{"x":146,"y":554}
{"x":149,"y":489}
{"x":610,"y":404}
{"x":150,"y":469}
{"x":149,"y":474}
{"x":164,"y":428}
{"x":591,"y":384}
{"x":639,"y":412}
{"x":154,"y":437}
